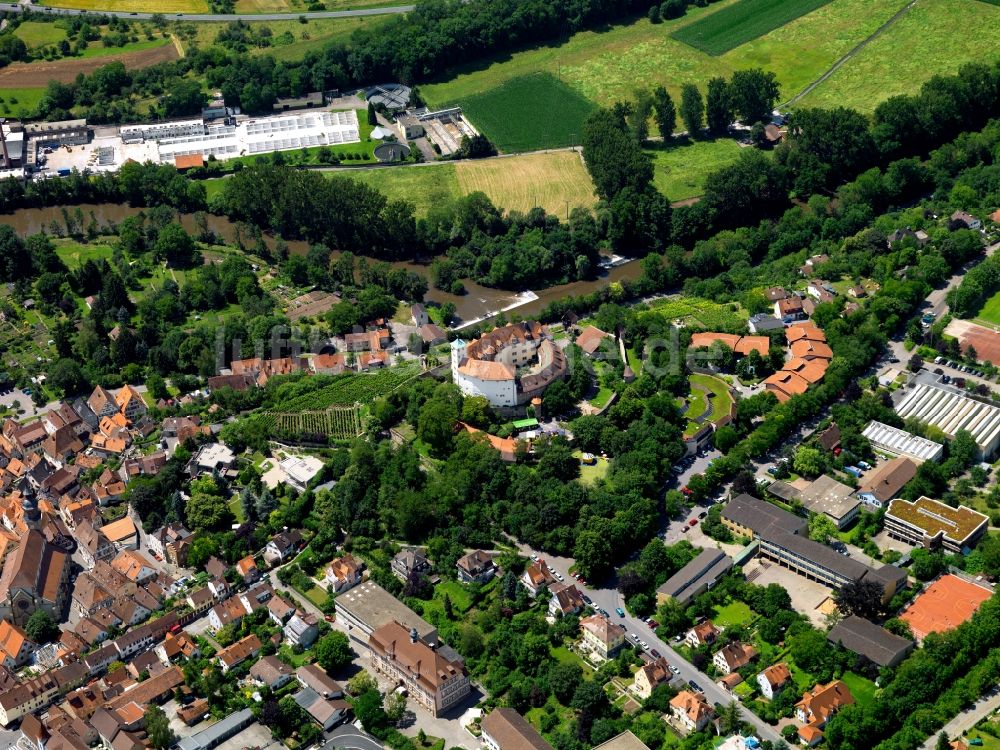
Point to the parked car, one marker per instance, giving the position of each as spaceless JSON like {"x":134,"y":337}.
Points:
{"x":653,"y":623}
{"x":674,"y":669}
{"x":695,"y":686}
{"x":864,"y":465}
{"x":693,"y":522}
{"x":703,"y":514}
{"x":645,"y":646}
{"x":620,"y":611}
{"x":655,"y":654}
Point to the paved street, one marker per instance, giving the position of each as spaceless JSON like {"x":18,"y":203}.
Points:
{"x":967,"y":719}
{"x":609,"y":599}
{"x":212,"y":16}
{"x":349,"y":737}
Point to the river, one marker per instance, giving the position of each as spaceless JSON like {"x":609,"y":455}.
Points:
{"x":479,"y":301}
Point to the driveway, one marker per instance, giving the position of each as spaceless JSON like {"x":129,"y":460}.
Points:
{"x":349,"y":737}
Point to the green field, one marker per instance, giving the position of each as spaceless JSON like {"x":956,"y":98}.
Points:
{"x":14,"y":102}
{"x":861,"y":688}
{"x":734,"y":614}
{"x":742,"y":22}
{"x":698,"y":312}
{"x":679,"y":172}
{"x":425,"y":187}
{"x":558,"y":182}
{"x":608,"y":65}
{"x":37,"y":34}
{"x":96,"y":50}
{"x":921,"y":44}
{"x":74,"y":255}
{"x":990,"y":312}
{"x":528,"y":113}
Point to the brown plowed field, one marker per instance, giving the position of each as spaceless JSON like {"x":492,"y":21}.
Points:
{"x":38,"y":74}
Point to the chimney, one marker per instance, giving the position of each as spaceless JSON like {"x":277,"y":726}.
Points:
{"x":413,"y":635}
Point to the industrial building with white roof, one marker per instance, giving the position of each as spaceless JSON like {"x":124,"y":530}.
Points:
{"x":899,"y":442}
{"x":951,"y":411}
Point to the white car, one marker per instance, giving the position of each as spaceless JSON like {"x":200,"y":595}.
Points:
{"x":534,"y":557}
{"x":559,"y":577}
{"x":645,"y":646}
{"x":674,"y":669}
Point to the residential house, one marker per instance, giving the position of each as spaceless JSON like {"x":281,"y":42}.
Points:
{"x":566,"y":600}
{"x":419,"y":315}
{"x":247,"y":568}
{"x":15,"y":646}
{"x":122,"y":533}
{"x":812,"y":264}
{"x":281,"y":545}
{"x":965,"y":220}
{"x":344,"y":573}
{"x":701,"y":634}
{"x":130,"y":403}
{"x":302,"y":629}
{"x":476,"y":567}
{"x":887,"y":481}
{"x":271,"y":672}
{"x":432,"y":335}
{"x":775,"y":293}
{"x":761,"y":323}
{"x":789,"y":310}
{"x":505,"y":729}
{"x":328,"y":364}
{"x":818,"y":705}
{"x":279,"y":610}
{"x":601,"y":636}
{"x":171,"y":543}
{"x":650,"y":676}
{"x":135,"y":566}
{"x":435,"y":678}
{"x":537,"y":577}
{"x":591,"y":339}
{"x":102,"y":403}
{"x":409,"y":560}
{"x":690,"y":711}
{"x":773,"y":679}
{"x":733,"y":657}
{"x":239,"y":652}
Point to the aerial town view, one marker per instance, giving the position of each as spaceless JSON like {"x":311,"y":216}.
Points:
{"x":499,"y":374}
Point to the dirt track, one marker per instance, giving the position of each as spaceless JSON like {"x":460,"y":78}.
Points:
{"x":38,"y":74}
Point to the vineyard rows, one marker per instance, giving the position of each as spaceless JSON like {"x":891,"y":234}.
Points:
{"x":338,"y":422}
{"x":351,"y":388}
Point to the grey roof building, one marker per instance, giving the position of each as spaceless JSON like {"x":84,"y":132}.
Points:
{"x":219,"y":732}
{"x":870,"y":640}
{"x":367,"y":607}
{"x":749,"y":516}
{"x":696,"y":577}
{"x":834,"y":499}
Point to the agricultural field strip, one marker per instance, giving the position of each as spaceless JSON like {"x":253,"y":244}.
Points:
{"x":743,"y":22}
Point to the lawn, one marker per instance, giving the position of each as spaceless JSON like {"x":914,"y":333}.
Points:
{"x":990,"y":312}
{"x":135,"y":6}
{"x":423,"y":186}
{"x":989,"y":741}
{"x":528,"y":113}
{"x":590,"y":474}
{"x":74,"y":254}
{"x":601,"y":399}
{"x":634,"y":361}
{"x":38,"y":34}
{"x":699,"y":402}
{"x":679,"y":172}
{"x":742,"y":22}
{"x":734,"y":614}
{"x":236,"y":508}
{"x":316,"y":595}
{"x":99,"y":50}
{"x":19,"y":102}
{"x":922,"y":44}
{"x":861,"y":688}
{"x":608,"y":65}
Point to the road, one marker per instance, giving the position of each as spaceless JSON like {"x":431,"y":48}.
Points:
{"x":967,"y":719}
{"x":221,"y":17}
{"x":609,"y":599}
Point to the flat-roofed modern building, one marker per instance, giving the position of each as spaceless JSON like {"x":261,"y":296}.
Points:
{"x":834,"y":499}
{"x":899,"y":442}
{"x":930,"y":523}
{"x":951,"y":411}
{"x":696,"y":577}
{"x":367,"y":607}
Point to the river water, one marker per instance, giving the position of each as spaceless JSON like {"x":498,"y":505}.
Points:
{"x":478,"y":302}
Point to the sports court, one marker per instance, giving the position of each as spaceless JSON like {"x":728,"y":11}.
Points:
{"x":982,"y":339}
{"x":946,"y":604}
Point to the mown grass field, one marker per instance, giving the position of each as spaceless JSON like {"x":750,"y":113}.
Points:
{"x":14,"y":102}
{"x":135,"y":6}
{"x":921,"y":44}
{"x":679,"y":172}
{"x":990,"y":312}
{"x":529,"y":112}
{"x":605,"y":66}
{"x":742,"y":22}
{"x":293,"y":6}
{"x":558,"y":182}
{"x":550,"y":180}
{"x":36,"y":34}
